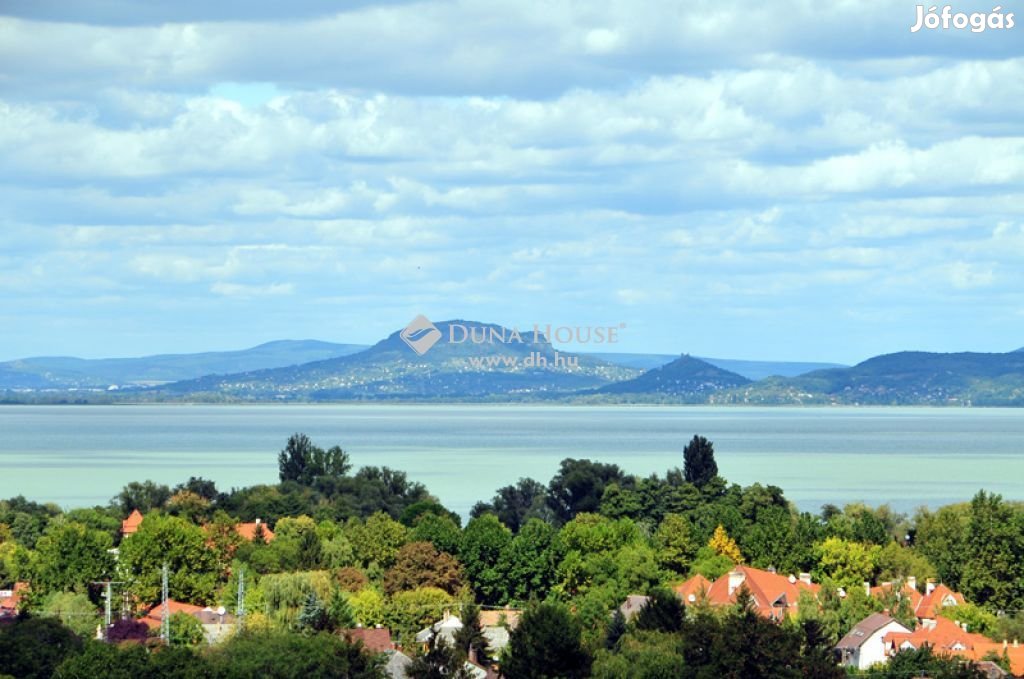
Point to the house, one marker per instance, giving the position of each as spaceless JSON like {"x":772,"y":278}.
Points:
{"x":935,"y":599}
{"x":445,"y":628}
{"x":693,"y":590}
{"x":249,"y":531}
{"x":864,"y":645}
{"x":373,"y":639}
{"x":1013,"y":651}
{"x":132,"y":523}
{"x":217,"y":624}
{"x":632,"y":605}
{"x":398,"y":665}
{"x":942,"y":634}
{"x":905,"y":588}
{"x":10,"y":599}
{"x":774,"y":596}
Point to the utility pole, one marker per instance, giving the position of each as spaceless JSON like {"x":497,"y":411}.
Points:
{"x":108,"y":596}
{"x":240,"y":607}
{"x":165,"y":616}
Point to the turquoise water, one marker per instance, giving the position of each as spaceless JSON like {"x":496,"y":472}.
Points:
{"x":907,"y":457}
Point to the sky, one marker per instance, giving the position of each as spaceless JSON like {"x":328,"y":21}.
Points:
{"x":788,"y":180}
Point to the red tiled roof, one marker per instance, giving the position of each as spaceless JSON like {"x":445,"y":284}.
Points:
{"x":154,"y":615}
{"x":943,"y":635}
{"x":931,"y":603}
{"x":375,"y":639}
{"x":696,"y":587}
{"x":774,"y":595}
{"x":1014,"y":653}
{"x":131,"y":524}
{"x":906,"y":590}
{"x":9,"y":604}
{"x":248,"y":531}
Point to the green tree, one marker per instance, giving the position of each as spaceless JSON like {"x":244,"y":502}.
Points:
{"x":470,"y":637}
{"x":32,"y":648}
{"x":145,"y":496}
{"x":305,"y":463}
{"x":546,"y":644}
{"x":528,"y":566}
{"x":192,"y":566}
{"x":186,"y":630}
{"x":483,"y":542}
{"x":579,"y":486}
{"x":993,"y":570}
{"x":412,"y":610}
{"x":291,"y":656}
{"x":441,"y":531}
{"x":675,"y":543}
{"x":514,"y":505}
{"x":616,"y":630}
{"x":663,"y":612}
{"x":74,"y":610}
{"x":378,"y":540}
{"x":314,"y":616}
{"x":70,"y":556}
{"x":441,"y":661}
{"x":699,"y":464}
{"x":847,"y":564}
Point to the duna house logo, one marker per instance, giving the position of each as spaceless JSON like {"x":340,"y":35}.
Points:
{"x":420,"y":335}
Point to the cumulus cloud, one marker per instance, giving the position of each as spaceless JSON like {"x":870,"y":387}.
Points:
{"x":791,"y":165}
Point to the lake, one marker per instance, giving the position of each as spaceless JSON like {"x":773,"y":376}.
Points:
{"x":907,"y":457}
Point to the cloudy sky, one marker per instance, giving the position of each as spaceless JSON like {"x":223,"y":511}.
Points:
{"x":785,"y":180}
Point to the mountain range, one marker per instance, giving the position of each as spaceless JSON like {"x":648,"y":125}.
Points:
{"x":528,"y":368}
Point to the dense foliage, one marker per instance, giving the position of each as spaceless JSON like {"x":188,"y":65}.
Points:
{"x":371,"y":548}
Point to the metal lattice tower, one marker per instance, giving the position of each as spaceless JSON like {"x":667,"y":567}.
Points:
{"x":240,"y":607}
{"x":165,"y":615}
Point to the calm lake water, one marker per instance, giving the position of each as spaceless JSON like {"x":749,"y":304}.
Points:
{"x":907,"y":457}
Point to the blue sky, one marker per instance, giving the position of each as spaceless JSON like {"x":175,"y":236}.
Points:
{"x":785,"y":180}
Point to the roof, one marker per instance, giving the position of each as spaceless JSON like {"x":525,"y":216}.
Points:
{"x":932,"y":603}
{"x":693,"y":589}
{"x":906,"y":590}
{"x":208,"y":616}
{"x":132,"y":523}
{"x":495,"y":618}
{"x":446,"y":628}
{"x":248,"y":530}
{"x":11,"y":598}
{"x":943,"y":635}
{"x":774,"y":595}
{"x":632,"y":605}
{"x":374,"y":639}
{"x":154,"y":615}
{"x":1015,"y":654}
{"x":397,"y":665}
{"x":863,"y":630}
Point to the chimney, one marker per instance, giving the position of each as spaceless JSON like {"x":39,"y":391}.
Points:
{"x":867,"y":588}
{"x":257,"y":520}
{"x":929,"y":586}
{"x":1005,"y":644}
{"x":736,"y":579}
{"x":447,"y":613}
{"x":911,"y":582}
{"x":805,"y":578}
{"x":1016,"y":644}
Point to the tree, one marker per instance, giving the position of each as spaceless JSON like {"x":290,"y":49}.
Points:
{"x":724,"y":545}
{"x":75,"y":610}
{"x":675,"y":543}
{"x":699,"y":465}
{"x":579,"y":486}
{"x":470,"y":638}
{"x":412,"y":610}
{"x":304,"y":463}
{"x":441,"y":531}
{"x":313,"y":617}
{"x":70,"y":556}
{"x":616,"y":630}
{"x":186,"y":630}
{"x":847,"y":564}
{"x":145,"y":497}
{"x":993,"y":570}
{"x":291,"y":656}
{"x":378,"y":540}
{"x":483,"y":542}
{"x":441,"y":661}
{"x":514,"y":505}
{"x":925,"y":662}
{"x":161,"y":539}
{"x":367,"y":607}
{"x":545,"y":645}
{"x":528,"y":566}
{"x":32,"y":648}
{"x":663,"y":612}
{"x":419,"y":564}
